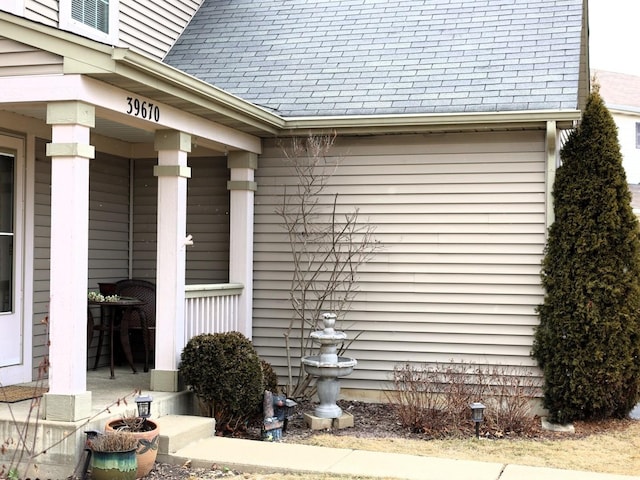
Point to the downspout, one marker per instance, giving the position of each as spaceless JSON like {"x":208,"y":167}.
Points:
{"x":550,"y":174}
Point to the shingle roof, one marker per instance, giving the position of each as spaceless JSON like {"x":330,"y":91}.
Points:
{"x":361,"y":57}
{"x":619,"y":90}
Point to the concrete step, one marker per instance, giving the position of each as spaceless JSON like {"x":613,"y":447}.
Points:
{"x":178,"y":431}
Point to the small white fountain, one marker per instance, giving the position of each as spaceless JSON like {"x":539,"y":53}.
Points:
{"x":328,"y":367}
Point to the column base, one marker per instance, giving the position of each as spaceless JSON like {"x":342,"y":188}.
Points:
{"x":67,"y":407}
{"x":165,"y":381}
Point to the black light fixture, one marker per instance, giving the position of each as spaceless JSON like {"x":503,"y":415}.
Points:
{"x":144,"y":406}
{"x":477,"y":415}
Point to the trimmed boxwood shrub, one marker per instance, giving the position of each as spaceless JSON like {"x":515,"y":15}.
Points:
{"x":588,"y":340}
{"x":225,"y":372}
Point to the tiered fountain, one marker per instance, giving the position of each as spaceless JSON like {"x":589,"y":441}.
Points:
{"x":328,"y":367}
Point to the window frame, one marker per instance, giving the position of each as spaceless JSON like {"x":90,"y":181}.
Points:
{"x":638,"y":135}
{"x":67,"y":22}
{"x":13,"y":6}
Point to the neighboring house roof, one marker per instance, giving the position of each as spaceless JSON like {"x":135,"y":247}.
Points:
{"x":387,"y":57}
{"x":620,"y":91}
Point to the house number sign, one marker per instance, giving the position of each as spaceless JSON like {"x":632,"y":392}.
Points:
{"x":146,"y":110}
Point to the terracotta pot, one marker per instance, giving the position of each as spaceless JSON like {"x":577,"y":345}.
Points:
{"x":147,"y":444}
{"x":114,"y":465}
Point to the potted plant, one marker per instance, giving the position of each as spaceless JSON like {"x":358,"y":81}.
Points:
{"x":145,"y":431}
{"x":114,"y":456}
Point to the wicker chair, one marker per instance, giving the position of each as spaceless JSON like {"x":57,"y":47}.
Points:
{"x":144,"y":317}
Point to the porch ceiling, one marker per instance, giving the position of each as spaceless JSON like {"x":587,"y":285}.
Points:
{"x":104,"y":127}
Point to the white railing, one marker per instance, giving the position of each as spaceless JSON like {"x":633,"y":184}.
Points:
{"x":211,"y":308}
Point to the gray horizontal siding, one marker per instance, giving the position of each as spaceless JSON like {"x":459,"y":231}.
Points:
{"x":461,"y":218}
{"x":153,"y":26}
{"x":20,"y":59}
{"x":207,"y":221}
{"x":42,"y":11}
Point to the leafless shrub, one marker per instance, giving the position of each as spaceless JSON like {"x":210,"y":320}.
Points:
{"x":414,"y":399}
{"x":434,"y":399}
{"x":509,"y":400}
{"x":327,"y":250}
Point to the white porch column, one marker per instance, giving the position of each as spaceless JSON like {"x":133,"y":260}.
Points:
{"x":242,"y":187}
{"x":70,"y":151}
{"x":172,"y":173}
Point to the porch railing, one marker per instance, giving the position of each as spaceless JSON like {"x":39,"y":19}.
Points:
{"x":211,"y":308}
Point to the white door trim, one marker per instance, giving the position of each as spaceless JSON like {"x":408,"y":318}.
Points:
{"x":20,"y":369}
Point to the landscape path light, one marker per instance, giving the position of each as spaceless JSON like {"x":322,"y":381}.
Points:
{"x":477,"y":415}
{"x":144,"y":406}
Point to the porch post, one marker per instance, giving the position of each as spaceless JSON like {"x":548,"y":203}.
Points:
{"x":70,"y":152}
{"x":172,"y":173}
{"x":242,"y":187}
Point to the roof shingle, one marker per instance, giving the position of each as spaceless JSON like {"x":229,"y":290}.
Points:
{"x":365,"y":57}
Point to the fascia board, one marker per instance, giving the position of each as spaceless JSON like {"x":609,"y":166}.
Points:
{"x":195,"y":90}
{"x":433,"y":122}
{"x":622,"y":109}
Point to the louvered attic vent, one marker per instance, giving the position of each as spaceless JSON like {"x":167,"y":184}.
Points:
{"x":94,"y":13}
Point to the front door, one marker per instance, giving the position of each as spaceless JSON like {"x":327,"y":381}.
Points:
{"x":12,"y":167}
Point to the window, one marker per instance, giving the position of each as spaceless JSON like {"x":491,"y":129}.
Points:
{"x":638,"y":135}
{"x":95,"y":19}
{"x":13,"y":6}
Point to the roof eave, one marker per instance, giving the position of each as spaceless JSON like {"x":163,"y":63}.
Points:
{"x":226,"y":103}
{"x":624,"y":109}
{"x":85,"y":56}
{"x":410,"y":123}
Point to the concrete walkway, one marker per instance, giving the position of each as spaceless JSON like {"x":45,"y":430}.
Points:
{"x":267,"y":457}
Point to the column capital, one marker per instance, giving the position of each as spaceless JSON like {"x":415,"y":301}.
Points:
{"x":71,"y":113}
{"x":70,"y":150}
{"x":242,"y":185}
{"x":171,"y":171}
{"x":172,"y":140}
{"x":238,"y":159}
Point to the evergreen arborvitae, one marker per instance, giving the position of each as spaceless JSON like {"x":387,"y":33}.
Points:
{"x":588,"y":340}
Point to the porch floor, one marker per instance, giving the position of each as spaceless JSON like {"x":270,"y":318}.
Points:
{"x":104,"y":392}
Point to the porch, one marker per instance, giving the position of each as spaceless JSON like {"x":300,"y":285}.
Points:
{"x":102,"y":198}
{"x":63,"y":441}
{"x":208,"y":309}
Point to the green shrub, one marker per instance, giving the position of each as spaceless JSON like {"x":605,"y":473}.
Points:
{"x":588,"y":340}
{"x":225,"y":372}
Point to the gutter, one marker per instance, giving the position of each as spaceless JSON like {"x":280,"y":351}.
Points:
{"x":433,"y":122}
{"x":624,"y":109}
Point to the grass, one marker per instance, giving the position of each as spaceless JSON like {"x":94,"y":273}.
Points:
{"x":615,"y":451}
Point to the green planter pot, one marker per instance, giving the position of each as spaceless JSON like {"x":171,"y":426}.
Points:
{"x":114,"y":465}
{"x":147,"y":444}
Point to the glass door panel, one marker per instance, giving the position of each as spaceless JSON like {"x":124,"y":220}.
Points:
{"x":7,"y":181}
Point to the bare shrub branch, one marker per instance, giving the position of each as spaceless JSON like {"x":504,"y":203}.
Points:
{"x":328,"y":248}
{"x":434,"y":399}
